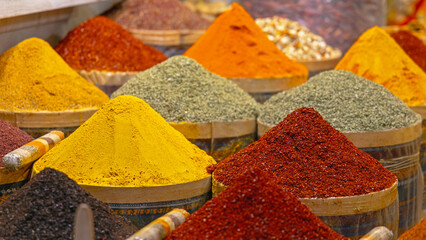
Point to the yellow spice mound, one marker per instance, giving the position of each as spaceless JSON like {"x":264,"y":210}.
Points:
{"x":376,"y":56}
{"x":33,"y":77}
{"x":126,"y":143}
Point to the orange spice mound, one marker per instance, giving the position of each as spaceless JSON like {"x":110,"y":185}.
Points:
{"x":234,"y":46}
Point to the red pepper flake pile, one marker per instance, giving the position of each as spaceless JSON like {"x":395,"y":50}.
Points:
{"x":254,"y":207}
{"x":310,"y":159}
{"x":413,"y":46}
{"x":101,"y":44}
{"x":11,"y":138}
{"x":157,"y":15}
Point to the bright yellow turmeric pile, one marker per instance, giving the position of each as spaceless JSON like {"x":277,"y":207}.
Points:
{"x":377,"y":57}
{"x":33,"y":77}
{"x":127,"y":144}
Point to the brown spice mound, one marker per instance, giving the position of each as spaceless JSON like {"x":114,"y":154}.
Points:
{"x":11,"y":138}
{"x":310,"y":159}
{"x":413,"y":46}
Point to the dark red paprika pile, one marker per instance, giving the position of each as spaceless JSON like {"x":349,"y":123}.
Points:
{"x":310,"y":159}
{"x":11,"y":138}
{"x":102,"y":44}
{"x":254,"y":207}
{"x":413,"y":46}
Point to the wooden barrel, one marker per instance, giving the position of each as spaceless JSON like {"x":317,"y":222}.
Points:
{"x":262,"y":89}
{"x":108,"y":82}
{"x":143,"y":205}
{"x":317,"y":66}
{"x":352,"y":216}
{"x":167,"y":38}
{"x":11,"y":181}
{"x":219,"y":139}
{"x":40,"y":123}
{"x":399,"y":151}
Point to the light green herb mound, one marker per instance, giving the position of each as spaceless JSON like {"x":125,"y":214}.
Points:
{"x":181,"y":90}
{"x":348,"y":102}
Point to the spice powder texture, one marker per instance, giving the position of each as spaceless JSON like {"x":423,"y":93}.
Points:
{"x":418,"y":232}
{"x":377,"y":57}
{"x":11,"y":138}
{"x":127,"y":144}
{"x":310,"y":159}
{"x":33,"y":77}
{"x":254,"y":207}
{"x":234,"y":46}
{"x":102,"y":44}
{"x":413,"y":46}
{"x":181,"y":90}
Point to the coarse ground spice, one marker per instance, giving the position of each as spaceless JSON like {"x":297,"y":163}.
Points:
{"x":234,"y":46}
{"x":35,"y":78}
{"x":127,"y":144}
{"x":418,"y":232}
{"x":348,"y":102}
{"x":254,"y":207}
{"x":11,"y":138}
{"x":310,"y":159}
{"x":181,"y":90}
{"x":413,"y":46}
{"x":101,"y":44}
{"x":44,"y":208}
{"x":157,"y":15}
{"x":377,"y":57}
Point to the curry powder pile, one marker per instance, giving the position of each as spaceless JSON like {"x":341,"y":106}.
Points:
{"x":418,"y":232}
{"x":33,"y":77}
{"x":377,"y":57}
{"x":234,"y":46}
{"x":127,"y":144}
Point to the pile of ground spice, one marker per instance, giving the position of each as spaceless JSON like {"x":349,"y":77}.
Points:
{"x":348,"y":102}
{"x":44,"y":208}
{"x":413,"y":46}
{"x":127,"y":144}
{"x":101,"y":44}
{"x":418,"y":232}
{"x":377,"y":57}
{"x":157,"y":15}
{"x":310,"y":159}
{"x":234,"y":46}
{"x":35,"y":78}
{"x":11,"y":138}
{"x":181,"y":90}
{"x":254,"y":207}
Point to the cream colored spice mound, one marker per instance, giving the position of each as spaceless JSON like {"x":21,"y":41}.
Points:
{"x":127,"y":144}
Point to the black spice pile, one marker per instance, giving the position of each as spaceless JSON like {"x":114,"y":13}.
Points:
{"x":11,"y":138}
{"x":44,"y":208}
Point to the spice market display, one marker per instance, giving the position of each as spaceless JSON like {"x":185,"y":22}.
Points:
{"x":195,"y":119}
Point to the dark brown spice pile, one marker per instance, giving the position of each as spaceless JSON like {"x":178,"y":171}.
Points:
{"x":310,"y":159}
{"x":11,"y":138}
{"x":254,"y":207}
{"x":44,"y":208}
{"x":413,"y":46}
{"x":157,"y":15}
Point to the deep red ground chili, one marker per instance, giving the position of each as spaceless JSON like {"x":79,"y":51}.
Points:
{"x":102,"y":44}
{"x":309,"y":158}
{"x":254,"y":207}
{"x":11,"y":138}
{"x":413,"y":46}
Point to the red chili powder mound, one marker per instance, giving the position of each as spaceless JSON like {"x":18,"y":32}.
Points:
{"x":11,"y":138}
{"x":413,"y":46}
{"x":254,"y":207}
{"x":102,"y":44}
{"x":309,"y":158}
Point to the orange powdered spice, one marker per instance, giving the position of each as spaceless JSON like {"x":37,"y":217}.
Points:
{"x":234,"y":46}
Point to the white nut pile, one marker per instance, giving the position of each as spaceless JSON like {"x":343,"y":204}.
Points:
{"x":296,"y":40}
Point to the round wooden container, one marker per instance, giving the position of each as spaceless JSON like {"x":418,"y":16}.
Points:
{"x":397,"y":150}
{"x":108,"y":82}
{"x":167,"y":38}
{"x":219,"y":139}
{"x":352,"y":216}
{"x":318,"y":66}
{"x":262,"y":89}
{"x":39,"y":123}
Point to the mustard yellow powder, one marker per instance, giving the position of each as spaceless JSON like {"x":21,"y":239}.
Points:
{"x":377,"y":57}
{"x":33,"y":77}
{"x":126,"y":143}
